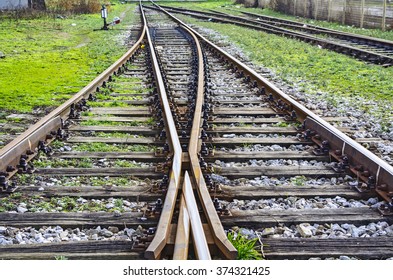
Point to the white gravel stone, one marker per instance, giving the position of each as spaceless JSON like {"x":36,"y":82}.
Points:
{"x":305,"y":230}
{"x":109,"y":205}
{"x":3,"y":230}
{"x":21,"y":209}
{"x":268,"y":231}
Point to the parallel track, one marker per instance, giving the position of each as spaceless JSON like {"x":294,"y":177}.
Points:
{"x":364,"y":48}
{"x":218,"y":125}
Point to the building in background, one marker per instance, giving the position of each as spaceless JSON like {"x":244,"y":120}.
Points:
{"x":22,"y":4}
{"x":14,"y":4}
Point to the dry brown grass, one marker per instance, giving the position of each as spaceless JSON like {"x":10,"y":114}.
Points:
{"x":74,"y":6}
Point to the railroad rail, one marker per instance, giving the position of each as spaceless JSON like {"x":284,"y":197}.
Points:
{"x":214,"y":124}
{"x":365,"y":48}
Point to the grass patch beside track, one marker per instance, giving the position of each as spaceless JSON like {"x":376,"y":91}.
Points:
{"x":230,"y":8}
{"x":47,"y":60}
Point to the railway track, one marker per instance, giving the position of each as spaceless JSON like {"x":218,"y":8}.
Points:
{"x":179,"y":137}
{"x":373,"y":50}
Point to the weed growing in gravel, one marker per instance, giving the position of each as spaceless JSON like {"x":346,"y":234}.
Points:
{"x":103,"y":147}
{"x":246,"y":248}
{"x":125,"y":163}
{"x":281,"y":124}
{"x":112,"y":123}
{"x":56,"y":144}
{"x":117,"y":135}
{"x":61,"y":204}
{"x":59,"y":163}
{"x":115,"y":103}
{"x":299,"y":180}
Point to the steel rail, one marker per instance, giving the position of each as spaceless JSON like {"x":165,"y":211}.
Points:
{"x":372,"y":40}
{"x":200,"y":242}
{"x":10,"y":154}
{"x":312,"y":28}
{"x":164,"y":224}
{"x":180,"y":251}
{"x":384,"y":173}
{"x":188,"y":208}
{"x":254,"y":24}
{"x":215,"y":225}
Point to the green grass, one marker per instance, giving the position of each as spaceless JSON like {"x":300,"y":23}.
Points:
{"x":299,"y":180}
{"x":103,"y":147}
{"x":230,"y":8}
{"x":378,"y":33}
{"x":113,"y":123}
{"x":61,"y":204}
{"x":246,"y":248}
{"x":115,"y":103}
{"x":63,"y":163}
{"x":50,"y":59}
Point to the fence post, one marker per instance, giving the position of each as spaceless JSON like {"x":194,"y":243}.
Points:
{"x":329,"y":10}
{"x":316,"y":9}
{"x":384,"y":15}
{"x":362,"y":14}
{"x":344,"y":11}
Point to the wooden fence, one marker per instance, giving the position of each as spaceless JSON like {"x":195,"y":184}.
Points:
{"x":360,"y":13}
